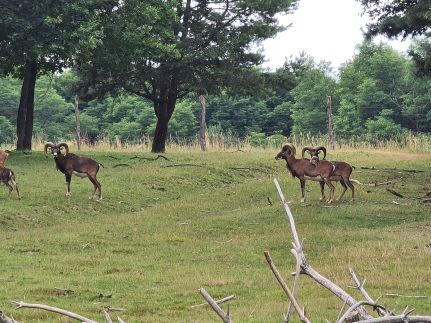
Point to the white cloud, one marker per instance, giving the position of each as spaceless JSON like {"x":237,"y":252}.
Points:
{"x":327,"y":30}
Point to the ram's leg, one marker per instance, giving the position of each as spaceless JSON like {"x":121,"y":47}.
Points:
{"x":344,"y":190}
{"x":9,"y":187}
{"x":302,"y":181}
{"x":17,"y":191}
{"x":322,"y":190}
{"x":349,"y":183}
{"x":12,"y":184}
{"x":68,"y":179}
{"x":97,"y":187}
{"x":331,"y":190}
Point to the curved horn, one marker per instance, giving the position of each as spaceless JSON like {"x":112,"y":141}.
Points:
{"x":291,"y":147}
{"x":48,"y":145}
{"x":307,"y":148}
{"x":63,"y":144}
{"x":321,"y":148}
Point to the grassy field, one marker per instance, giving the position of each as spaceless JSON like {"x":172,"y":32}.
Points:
{"x":168,"y":227}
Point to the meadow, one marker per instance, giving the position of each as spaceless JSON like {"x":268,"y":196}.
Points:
{"x":167,"y":227}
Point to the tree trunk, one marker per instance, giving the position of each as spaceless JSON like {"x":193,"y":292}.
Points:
{"x":160,"y":136}
{"x":24,"y":123}
{"x":163,"y":110}
{"x":202,"y":125}
{"x":78,"y":124}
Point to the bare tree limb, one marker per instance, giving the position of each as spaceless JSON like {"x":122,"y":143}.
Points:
{"x":360,"y":287}
{"x":225,"y":317}
{"x":398,"y":319}
{"x":309,"y":271}
{"x":298,"y":309}
{"x":220,"y":301}
{"x":6,"y":319}
{"x":407,"y":296}
{"x":107,"y":317}
{"x":355,"y":306}
{"x":72,"y":315}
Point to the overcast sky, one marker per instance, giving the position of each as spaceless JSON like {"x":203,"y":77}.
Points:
{"x":325,"y":29}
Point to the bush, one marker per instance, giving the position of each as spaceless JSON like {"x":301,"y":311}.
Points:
{"x":7,"y":131}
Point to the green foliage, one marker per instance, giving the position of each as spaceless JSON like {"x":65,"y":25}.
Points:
{"x":7,"y":131}
{"x":49,"y":33}
{"x":258,"y":139}
{"x":347,"y":122}
{"x":384,"y":128}
{"x":393,"y":18}
{"x":420,"y":51}
{"x":309,"y":109}
{"x":184,"y":123}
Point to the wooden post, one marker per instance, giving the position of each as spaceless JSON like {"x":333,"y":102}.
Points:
{"x":78,"y":123}
{"x":203,"y":127}
{"x":331,"y":136}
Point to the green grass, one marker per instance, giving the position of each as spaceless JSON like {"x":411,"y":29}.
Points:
{"x":166,"y":228}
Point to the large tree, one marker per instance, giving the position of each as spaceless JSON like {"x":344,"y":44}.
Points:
{"x":163,"y":50}
{"x":42,"y":37}
{"x":398,"y":17}
{"x":403,"y":18}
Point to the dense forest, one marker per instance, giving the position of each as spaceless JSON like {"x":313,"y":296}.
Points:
{"x":379,"y":94}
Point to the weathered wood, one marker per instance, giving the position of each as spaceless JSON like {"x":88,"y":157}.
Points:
{"x":60,"y":311}
{"x":308,"y":270}
{"x":331,"y":137}
{"x":352,"y":310}
{"x":298,"y":309}
{"x":219,"y":301}
{"x":6,"y":319}
{"x":202,"y":124}
{"x":225,"y":317}
{"x":360,"y":287}
{"x":78,"y":123}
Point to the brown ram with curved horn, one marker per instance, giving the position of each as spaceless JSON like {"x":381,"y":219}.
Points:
{"x":70,"y":164}
{"x":302,"y":169}
{"x":341,"y":172}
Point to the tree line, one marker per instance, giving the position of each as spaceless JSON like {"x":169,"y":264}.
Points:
{"x":134,"y":63}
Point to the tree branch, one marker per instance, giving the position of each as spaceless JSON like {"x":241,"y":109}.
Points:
{"x":225,"y":317}
{"x":60,"y":311}
{"x":301,"y":312}
{"x":308,"y":270}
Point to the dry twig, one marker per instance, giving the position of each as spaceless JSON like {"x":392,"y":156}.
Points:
{"x":219,"y":301}
{"x":60,"y":311}
{"x":309,"y":271}
{"x":298,"y":309}
{"x":224,"y":316}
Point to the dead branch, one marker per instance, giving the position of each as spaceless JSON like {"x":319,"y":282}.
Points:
{"x":360,"y":287}
{"x":393,"y":169}
{"x":122,"y":165}
{"x":398,"y":319}
{"x":107,"y":317}
{"x":60,"y":311}
{"x":301,"y":312}
{"x":394,"y":192}
{"x":297,"y":248}
{"x":6,"y":319}
{"x":308,"y":270}
{"x":407,"y":296}
{"x":355,"y":306}
{"x":184,"y":165}
{"x":150,"y":159}
{"x":225,"y":317}
{"x":219,"y":301}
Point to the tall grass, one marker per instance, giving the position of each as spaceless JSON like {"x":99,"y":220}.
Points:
{"x":219,"y":141}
